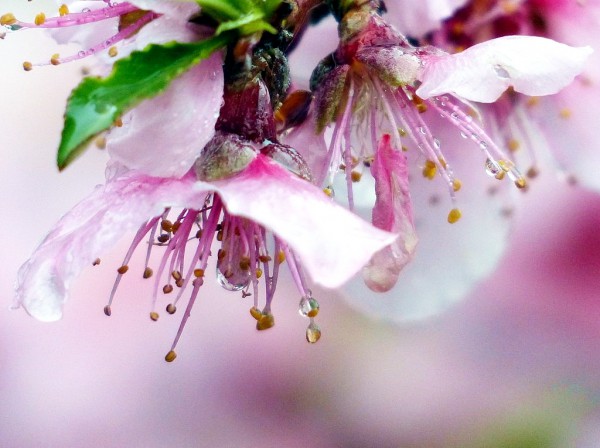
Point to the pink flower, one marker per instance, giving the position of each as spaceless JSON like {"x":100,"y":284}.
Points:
{"x":113,"y":30}
{"x":380,"y":92}
{"x":416,"y":19}
{"x":260,"y":213}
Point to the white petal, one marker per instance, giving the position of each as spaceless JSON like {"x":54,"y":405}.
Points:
{"x":531,"y":65}
{"x":164,"y":135}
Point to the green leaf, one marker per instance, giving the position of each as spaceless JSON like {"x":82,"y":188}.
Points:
{"x":245,"y":16}
{"x":96,"y":103}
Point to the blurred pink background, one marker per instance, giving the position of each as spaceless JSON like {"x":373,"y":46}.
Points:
{"x":514,"y":364}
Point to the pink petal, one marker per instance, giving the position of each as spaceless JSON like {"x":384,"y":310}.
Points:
{"x":418,"y":18}
{"x":164,"y":135}
{"x":392,"y":212}
{"x":531,"y":65}
{"x":450,"y":258}
{"x":332,"y":243}
{"x":180,"y":9}
{"x":94,"y":225}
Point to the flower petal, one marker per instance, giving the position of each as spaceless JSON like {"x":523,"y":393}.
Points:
{"x":531,"y":65}
{"x":164,"y":135}
{"x":89,"y":229}
{"x":392,"y":212}
{"x":181,"y":9}
{"x":450,"y":258}
{"x":332,"y":243}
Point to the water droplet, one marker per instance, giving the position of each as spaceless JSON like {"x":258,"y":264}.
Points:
{"x":309,"y":307}
{"x":463,"y":134}
{"x":436,"y":143}
{"x":313,"y":333}
{"x":454,"y":116}
{"x":81,"y":54}
{"x":86,"y":10}
{"x":483,"y":145}
{"x":422,"y":130}
{"x":492,"y":167}
{"x":234,"y":282}
{"x":501,"y":71}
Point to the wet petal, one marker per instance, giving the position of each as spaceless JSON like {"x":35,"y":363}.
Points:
{"x":89,"y":229}
{"x":163,"y":136}
{"x":531,"y":65}
{"x":392,"y":212}
{"x":332,"y":243}
{"x":450,"y":258}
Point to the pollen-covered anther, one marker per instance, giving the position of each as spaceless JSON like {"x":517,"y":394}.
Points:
{"x":168,"y":289}
{"x":55,"y":59}
{"x":198,"y":273}
{"x":100,"y":142}
{"x":256,"y":313}
{"x":429,"y":170}
{"x":356,"y":176}
{"x":454,"y":215}
{"x":148,"y":273}
{"x":500,"y":175}
{"x":521,"y":182}
{"x":170,"y":357}
{"x":179,"y":283}
{"x":154,"y":316}
{"x":280,"y":257}
{"x":456,"y":184}
{"x":8,"y":19}
{"x":264,"y":258}
{"x":328,"y":191}
{"x":123,"y":269}
{"x":27,"y":66}
{"x":176,"y":275}
{"x":171,"y":309}
{"x":40,"y":19}
{"x":513,"y":145}
{"x":166,"y":225}
{"x":63,"y":10}
{"x":313,"y":333}
{"x":107,"y":310}
{"x":565,"y":113}
{"x":118,"y":123}
{"x":265,"y":322}
{"x":245,"y":263}
{"x":258,"y":273}
{"x":113,"y":52}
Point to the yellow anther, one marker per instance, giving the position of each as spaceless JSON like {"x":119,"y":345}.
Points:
{"x":100,"y":142}
{"x":107,"y":310}
{"x":443,"y":162}
{"x":148,"y":273}
{"x":171,"y":356}
{"x":402,"y":132}
{"x":198,"y":273}
{"x":521,"y":182}
{"x":404,"y":148}
{"x":96,"y":262}
{"x":154,"y":316}
{"x":171,"y":308}
{"x":456,"y":185}
{"x":500,"y":175}
{"x":265,"y":322}
{"x":123,"y":269}
{"x":355,"y":176}
{"x":167,"y":289}
{"x":118,"y":122}
{"x":63,"y":10}
{"x":40,"y":19}
{"x":454,"y":215}
{"x":258,"y":273}
{"x":421,"y":108}
{"x":280,"y":257}
{"x":328,"y":191}
{"x":55,"y":59}
{"x":176,"y":275}
{"x":27,"y":66}
{"x":8,"y":19}
{"x":533,"y":101}
{"x":429,"y":169}
{"x":513,"y":145}
{"x":112,"y":52}
{"x":256,"y":313}
{"x":506,"y":165}
{"x":565,"y":113}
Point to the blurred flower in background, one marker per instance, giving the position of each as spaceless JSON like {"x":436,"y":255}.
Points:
{"x":514,"y":365}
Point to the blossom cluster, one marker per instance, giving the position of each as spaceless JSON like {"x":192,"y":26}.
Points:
{"x":392,"y":168}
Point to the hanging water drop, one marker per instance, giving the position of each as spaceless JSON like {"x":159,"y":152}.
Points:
{"x":313,"y":333}
{"x":491,"y":167}
{"x":309,"y":307}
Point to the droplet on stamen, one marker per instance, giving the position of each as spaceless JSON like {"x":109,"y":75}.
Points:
{"x":313,"y":333}
{"x":309,"y":307}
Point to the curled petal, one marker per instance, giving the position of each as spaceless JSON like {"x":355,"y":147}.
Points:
{"x":531,"y":65}
{"x":164,"y":135}
{"x":89,"y":229}
{"x":392,"y":212}
{"x":332,"y":243}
